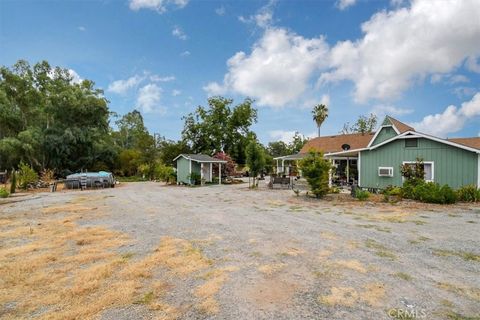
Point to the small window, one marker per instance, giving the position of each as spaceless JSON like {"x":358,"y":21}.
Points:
{"x":411,"y":143}
{"x":385,"y":171}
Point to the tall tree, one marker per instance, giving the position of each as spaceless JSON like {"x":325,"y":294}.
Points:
{"x":220,"y":127}
{"x":255,"y":159}
{"x":363,"y":125}
{"x":319,"y":113}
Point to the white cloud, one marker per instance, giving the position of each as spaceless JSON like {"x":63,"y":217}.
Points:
{"x":403,"y":46}
{"x":149,"y":98}
{"x":81,"y":28}
{"x":278,"y":69}
{"x":178,"y":33}
{"x":185,"y":53}
{"x":158,"y":5}
{"x":287,"y":136}
{"x":122,"y":86}
{"x":459,"y":78}
{"x":220,"y":11}
{"x":344,"y":4}
{"x":157,"y":78}
{"x":451,"y":120}
{"x":473,"y":64}
{"x":176,"y":92}
{"x":263,"y":18}
{"x":75,"y":77}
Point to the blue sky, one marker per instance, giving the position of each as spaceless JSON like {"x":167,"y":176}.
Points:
{"x":417,"y":61}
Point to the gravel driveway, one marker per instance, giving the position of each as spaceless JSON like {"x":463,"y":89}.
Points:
{"x":267,"y":254}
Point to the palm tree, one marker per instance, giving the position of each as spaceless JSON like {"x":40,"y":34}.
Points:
{"x":320,"y":113}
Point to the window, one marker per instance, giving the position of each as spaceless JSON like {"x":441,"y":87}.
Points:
{"x":428,"y":168}
{"x":411,"y":143}
{"x":385,"y":171}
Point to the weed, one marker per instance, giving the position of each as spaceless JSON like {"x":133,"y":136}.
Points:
{"x":403,"y":276}
{"x":146,"y":299}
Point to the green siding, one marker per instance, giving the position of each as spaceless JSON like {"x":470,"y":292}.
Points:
{"x":384,"y":134}
{"x":183,"y":170}
{"x":453,"y":166}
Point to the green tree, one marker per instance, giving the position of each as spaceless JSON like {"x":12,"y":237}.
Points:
{"x":315,"y":169}
{"x":319,"y":113}
{"x":220,"y":128}
{"x":255,"y":160}
{"x":363,"y":125}
{"x":169,"y":150}
{"x":278,"y":149}
{"x":297,"y":143}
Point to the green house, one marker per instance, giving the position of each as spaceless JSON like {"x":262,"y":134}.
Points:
{"x":373,"y":160}
{"x":199,"y":164}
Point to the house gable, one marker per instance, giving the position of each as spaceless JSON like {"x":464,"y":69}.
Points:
{"x":386,"y":132}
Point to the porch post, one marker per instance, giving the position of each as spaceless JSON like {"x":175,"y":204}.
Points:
{"x":348,"y":171}
{"x":190,"y":172}
{"x":201,"y":173}
{"x":330,"y":174}
{"x":283,"y":166}
{"x":211,"y":172}
{"x":219,"y":173}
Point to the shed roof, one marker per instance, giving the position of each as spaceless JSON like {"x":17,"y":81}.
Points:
{"x":330,"y":144}
{"x":199,"y":158}
{"x":402,"y":127}
{"x":473,"y":142}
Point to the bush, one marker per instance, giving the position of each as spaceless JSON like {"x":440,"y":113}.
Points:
{"x":26,"y":176}
{"x":361,"y":195}
{"x":468,"y":194}
{"x":431,"y":192}
{"x":195,"y":178}
{"x":315,"y":169}
{"x":165,"y":173}
{"x":3,"y":193}
{"x":392,"y":194}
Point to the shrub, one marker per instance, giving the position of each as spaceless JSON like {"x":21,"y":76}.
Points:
{"x":47,"y":175}
{"x":195,"y":178}
{"x":13,"y":182}
{"x":468,"y":194}
{"x":392,"y":194}
{"x":334,"y":190}
{"x":315,"y":169}
{"x":165,"y":173}
{"x":361,"y":195}
{"x":3,"y":193}
{"x":26,"y":176}
{"x":431,"y":192}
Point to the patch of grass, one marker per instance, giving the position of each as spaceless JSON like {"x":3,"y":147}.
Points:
{"x":378,"y":228}
{"x":467,"y":256}
{"x":403,"y":276}
{"x":457,"y":316}
{"x":459,"y":290}
{"x":418,"y":222}
{"x":380,"y":250}
{"x":146,"y":299}
{"x":471,"y":221}
{"x":127,"y":256}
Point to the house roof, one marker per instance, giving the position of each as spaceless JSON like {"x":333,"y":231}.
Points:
{"x":329,"y":144}
{"x":199,"y":158}
{"x":473,"y":142}
{"x":402,"y":127}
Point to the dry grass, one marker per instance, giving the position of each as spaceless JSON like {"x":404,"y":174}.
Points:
{"x":60,"y":270}
{"x":461,"y":290}
{"x":372,"y":294}
{"x":352,"y":264}
{"x":270,"y":269}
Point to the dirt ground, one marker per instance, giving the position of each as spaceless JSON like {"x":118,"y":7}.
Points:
{"x":149,"y":251}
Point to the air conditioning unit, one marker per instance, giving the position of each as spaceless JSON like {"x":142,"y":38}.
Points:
{"x":385,"y":172}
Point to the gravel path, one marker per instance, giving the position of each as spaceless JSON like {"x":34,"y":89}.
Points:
{"x":287,"y":257}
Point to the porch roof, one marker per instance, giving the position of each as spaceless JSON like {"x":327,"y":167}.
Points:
{"x":200,"y":158}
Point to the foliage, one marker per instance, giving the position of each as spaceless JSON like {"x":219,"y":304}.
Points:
{"x":220,"y":128}
{"x":468,"y":194}
{"x":413,"y":173}
{"x":362,"y":125}
{"x":128,"y":162}
{"x":165,"y":173}
{"x":280,"y":148}
{"x":47,"y":175}
{"x":13,"y":182}
{"x":297,"y":192}
{"x":227,"y":168}
{"x":315,"y":169}
{"x":26,"y":176}
{"x":334,"y":190}
{"x":169,"y":150}
{"x":255,"y":158}
{"x":431,"y":192}
{"x":361,"y":195}
{"x":319,"y":114}
{"x":3,"y":193}
{"x":195,"y":178}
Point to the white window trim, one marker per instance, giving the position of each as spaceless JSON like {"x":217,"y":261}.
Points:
{"x":425,"y":162}
{"x":389,"y":168}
